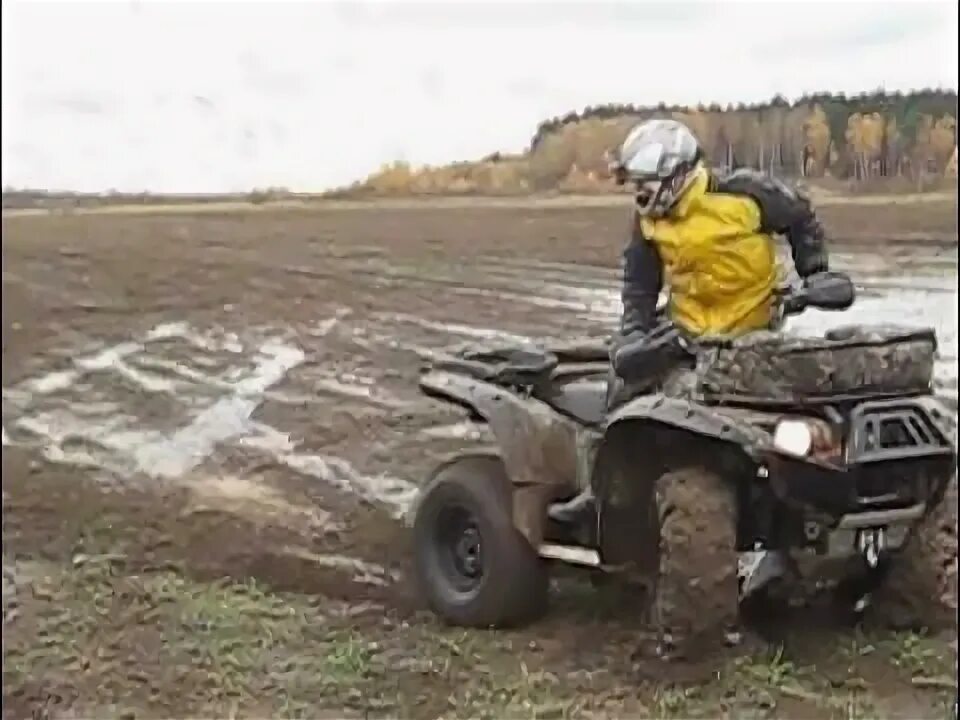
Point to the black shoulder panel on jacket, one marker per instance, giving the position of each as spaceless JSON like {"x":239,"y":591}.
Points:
{"x":783,"y":210}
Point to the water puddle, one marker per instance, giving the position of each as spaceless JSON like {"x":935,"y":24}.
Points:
{"x":121,"y":442}
{"x":84,"y":416}
{"x":356,"y":387}
{"x":324,"y":327}
{"x":210,"y":341}
{"x":184,"y":371}
{"x":395,"y":494}
{"x":526,"y":274}
{"x":52,"y":382}
{"x":543,"y":268}
{"x":471,"y":331}
{"x":920,"y":296}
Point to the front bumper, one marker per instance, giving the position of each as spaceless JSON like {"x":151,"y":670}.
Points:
{"x":848,"y":490}
{"x":886,"y":530}
{"x":858,"y":540}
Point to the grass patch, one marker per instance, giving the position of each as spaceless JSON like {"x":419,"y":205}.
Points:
{"x":677,"y":702}
{"x":155,"y":639}
{"x":918,"y":654}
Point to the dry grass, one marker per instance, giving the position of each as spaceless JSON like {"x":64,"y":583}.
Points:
{"x":107,"y":642}
{"x":822,"y":198}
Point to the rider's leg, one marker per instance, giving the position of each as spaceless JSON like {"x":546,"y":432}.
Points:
{"x":577,"y":511}
{"x":582,"y":507}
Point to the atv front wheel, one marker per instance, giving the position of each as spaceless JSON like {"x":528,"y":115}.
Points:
{"x":696,"y":599}
{"x":919,"y":589}
{"x":473,"y":565}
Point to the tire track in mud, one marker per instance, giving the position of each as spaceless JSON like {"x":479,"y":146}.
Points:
{"x":591,"y":293}
{"x":120,"y":443}
{"x":584,"y":299}
{"x":556,"y":288}
{"x":564,"y":298}
{"x":587,"y":298}
{"x":200,"y":384}
{"x":335,"y":401}
{"x":303,"y":493}
{"x":213,"y":382}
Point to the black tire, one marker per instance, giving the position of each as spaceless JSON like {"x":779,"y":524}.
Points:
{"x":472,"y":564}
{"x":634,"y":587}
{"x":919,"y":588}
{"x":696,"y":599}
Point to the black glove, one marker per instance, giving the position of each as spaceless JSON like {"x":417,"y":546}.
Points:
{"x":645,"y":354}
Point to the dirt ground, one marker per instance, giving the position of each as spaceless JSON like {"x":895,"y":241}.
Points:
{"x":212,"y":433}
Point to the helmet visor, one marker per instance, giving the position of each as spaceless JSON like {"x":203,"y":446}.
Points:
{"x":646,"y":162}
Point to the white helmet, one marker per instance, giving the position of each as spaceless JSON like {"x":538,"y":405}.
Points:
{"x":660,"y":157}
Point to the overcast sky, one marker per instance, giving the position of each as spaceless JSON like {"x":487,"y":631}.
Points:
{"x":226,"y":96}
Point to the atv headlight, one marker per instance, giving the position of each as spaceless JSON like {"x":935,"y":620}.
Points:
{"x":793,"y":437}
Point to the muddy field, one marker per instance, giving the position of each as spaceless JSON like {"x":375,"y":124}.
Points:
{"x":212,"y":434}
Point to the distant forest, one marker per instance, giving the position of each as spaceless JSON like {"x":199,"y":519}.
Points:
{"x":866,"y":137}
{"x":868,"y":134}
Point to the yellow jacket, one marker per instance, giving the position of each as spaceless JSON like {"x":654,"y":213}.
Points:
{"x":716,"y":253}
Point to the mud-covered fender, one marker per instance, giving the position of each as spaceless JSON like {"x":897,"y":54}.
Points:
{"x":537,"y":445}
{"x":717,"y":423}
{"x":644,"y":439}
{"x":481,"y":455}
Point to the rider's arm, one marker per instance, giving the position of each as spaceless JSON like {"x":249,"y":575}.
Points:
{"x":642,"y":280}
{"x":784,"y":211}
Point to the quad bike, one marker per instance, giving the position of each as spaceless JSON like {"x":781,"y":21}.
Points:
{"x":776,"y":450}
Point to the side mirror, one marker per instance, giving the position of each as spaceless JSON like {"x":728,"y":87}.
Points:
{"x":829,"y":291}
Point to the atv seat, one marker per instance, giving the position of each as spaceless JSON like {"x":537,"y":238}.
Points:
{"x":571,"y":378}
{"x":509,"y":367}
{"x":584,"y":400}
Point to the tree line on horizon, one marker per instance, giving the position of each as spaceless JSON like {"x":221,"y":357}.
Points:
{"x":890,"y":140}
{"x":862,"y":136}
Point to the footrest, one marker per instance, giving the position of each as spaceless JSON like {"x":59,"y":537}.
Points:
{"x":573,"y":554}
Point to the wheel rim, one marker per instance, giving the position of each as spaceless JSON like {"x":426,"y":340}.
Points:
{"x":460,"y":548}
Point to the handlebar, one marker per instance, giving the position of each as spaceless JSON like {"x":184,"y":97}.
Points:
{"x":831,"y":291}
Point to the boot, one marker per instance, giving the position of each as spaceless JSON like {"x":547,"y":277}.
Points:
{"x":575,"y":512}
{"x":757,"y":569}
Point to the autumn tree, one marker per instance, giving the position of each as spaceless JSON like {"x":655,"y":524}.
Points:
{"x":816,"y":135}
{"x":894,"y":148}
{"x":943,"y":140}
{"x":864,"y":136}
{"x":922,"y":157}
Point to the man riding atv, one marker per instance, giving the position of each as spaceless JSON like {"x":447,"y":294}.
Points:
{"x":723,"y":460}
{"x":710,"y":238}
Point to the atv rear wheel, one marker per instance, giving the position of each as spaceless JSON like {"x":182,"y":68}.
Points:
{"x":696,"y":599}
{"x":474,"y":567}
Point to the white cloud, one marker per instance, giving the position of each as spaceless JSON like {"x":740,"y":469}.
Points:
{"x":225,"y":96}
